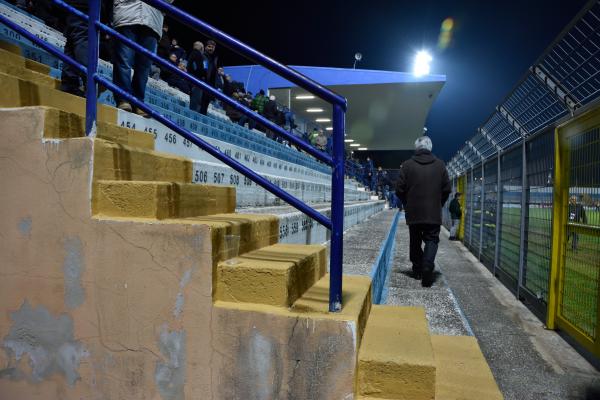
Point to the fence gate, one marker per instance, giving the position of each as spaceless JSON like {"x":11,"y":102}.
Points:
{"x":574,"y":305}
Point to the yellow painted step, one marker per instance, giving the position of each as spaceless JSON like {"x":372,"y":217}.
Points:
{"x":356,"y":297}
{"x":60,"y":124}
{"x":276,"y":275}
{"x":462,"y":371}
{"x":12,"y":52}
{"x":160,"y":200}
{"x":396,"y":359}
{"x":11,"y":67}
{"x":15,"y":92}
{"x":237,"y":234}
{"x":113,"y":161}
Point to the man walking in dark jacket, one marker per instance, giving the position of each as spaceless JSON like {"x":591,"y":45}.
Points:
{"x":455,"y":215}
{"x":423,"y":187}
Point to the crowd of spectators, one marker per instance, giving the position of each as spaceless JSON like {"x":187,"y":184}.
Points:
{"x":145,"y":26}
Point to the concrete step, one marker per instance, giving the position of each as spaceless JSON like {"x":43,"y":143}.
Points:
{"x":12,"y":53}
{"x":60,"y":124}
{"x":113,"y":161}
{"x":236,"y":234}
{"x":160,"y":200}
{"x":396,"y":359}
{"x":273,"y":352}
{"x":20,"y":92}
{"x":276,"y":275}
{"x":13,"y":67}
{"x":461,"y":370}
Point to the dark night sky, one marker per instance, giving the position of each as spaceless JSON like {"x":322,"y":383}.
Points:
{"x":494,"y":43}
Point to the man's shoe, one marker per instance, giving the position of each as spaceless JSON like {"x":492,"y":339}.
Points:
{"x":427,"y":280}
{"x":142,"y":113}
{"x":125,"y":106}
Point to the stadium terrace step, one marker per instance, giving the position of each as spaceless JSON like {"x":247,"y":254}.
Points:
{"x":19,"y":92}
{"x":304,"y":349}
{"x":276,"y":275}
{"x":461,"y":370}
{"x":236,"y":234}
{"x":396,"y":358}
{"x":113,"y":161}
{"x":160,"y":200}
{"x":59,"y":124}
{"x":7,"y":66}
{"x":11,"y":52}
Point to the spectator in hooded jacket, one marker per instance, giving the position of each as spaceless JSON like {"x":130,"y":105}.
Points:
{"x":423,"y":187}
{"x":142,"y":24}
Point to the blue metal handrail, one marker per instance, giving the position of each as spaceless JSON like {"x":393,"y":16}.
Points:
{"x":335,"y":224}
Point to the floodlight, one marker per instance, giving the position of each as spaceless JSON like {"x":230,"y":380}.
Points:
{"x":421,"y":66}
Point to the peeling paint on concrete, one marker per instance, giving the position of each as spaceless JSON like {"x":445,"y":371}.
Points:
{"x":259,"y":368}
{"x":179,"y":302}
{"x":47,"y":340}
{"x":25,"y":226}
{"x":169,"y":374}
{"x":73,"y":268}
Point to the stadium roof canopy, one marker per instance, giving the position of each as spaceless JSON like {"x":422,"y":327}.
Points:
{"x":386,"y":110}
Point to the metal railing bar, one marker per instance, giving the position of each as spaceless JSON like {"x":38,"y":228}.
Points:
{"x":252,"y":54}
{"x":321,"y":156}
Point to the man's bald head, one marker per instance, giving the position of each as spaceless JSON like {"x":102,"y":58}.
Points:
{"x":198,"y":46}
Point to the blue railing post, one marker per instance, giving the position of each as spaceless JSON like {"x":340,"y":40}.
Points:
{"x":337,"y":211}
{"x":91,"y":95}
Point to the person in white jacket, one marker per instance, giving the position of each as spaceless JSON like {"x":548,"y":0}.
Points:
{"x":142,"y":24}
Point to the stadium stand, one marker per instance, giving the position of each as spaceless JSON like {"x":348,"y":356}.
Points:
{"x":129,"y":272}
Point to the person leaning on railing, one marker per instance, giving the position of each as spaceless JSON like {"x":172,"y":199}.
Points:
{"x":142,"y":24}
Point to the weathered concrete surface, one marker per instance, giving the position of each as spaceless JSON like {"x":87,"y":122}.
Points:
{"x":15,"y":92}
{"x":527,"y":361}
{"x":161,"y":200}
{"x":442,"y":310}
{"x":461,"y":370}
{"x":268,"y":352}
{"x":121,"y":308}
{"x":396,"y":356}
{"x":92,"y":308}
{"x":275,"y":275}
{"x":362,"y":243}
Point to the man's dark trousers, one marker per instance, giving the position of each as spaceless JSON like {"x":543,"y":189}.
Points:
{"x":76,"y":47}
{"x":423,"y":260}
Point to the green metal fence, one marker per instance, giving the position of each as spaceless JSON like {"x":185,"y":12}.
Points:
{"x":530,"y":172}
{"x":490,"y":204}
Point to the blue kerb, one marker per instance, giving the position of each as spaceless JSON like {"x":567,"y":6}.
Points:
{"x":382,"y":265}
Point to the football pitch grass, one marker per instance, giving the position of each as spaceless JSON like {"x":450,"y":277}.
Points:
{"x":581,"y":275}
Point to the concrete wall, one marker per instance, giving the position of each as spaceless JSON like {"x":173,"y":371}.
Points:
{"x":122,"y":309}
